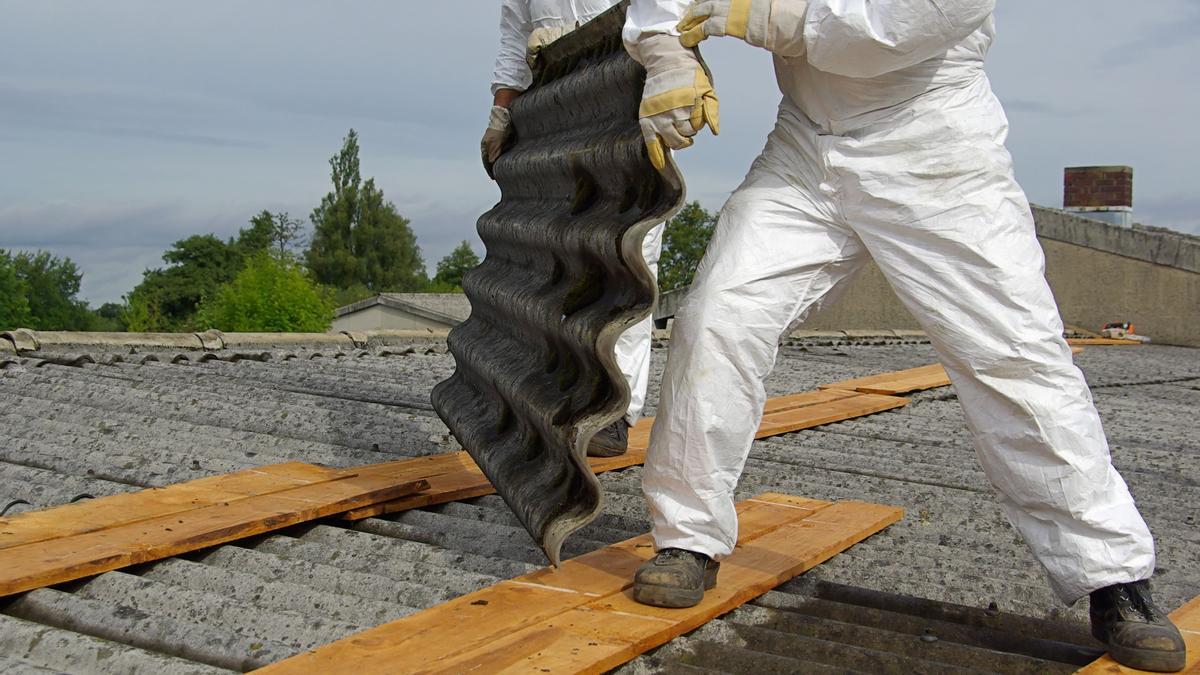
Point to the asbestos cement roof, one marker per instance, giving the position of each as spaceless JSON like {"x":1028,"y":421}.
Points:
{"x":949,"y":589}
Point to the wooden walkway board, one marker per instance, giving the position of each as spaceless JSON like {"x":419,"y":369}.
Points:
{"x":158,"y":529}
{"x":459,"y":478}
{"x":1102,"y":342}
{"x":1187,"y":618}
{"x":581,"y":618}
{"x":898,"y":382}
{"x":795,"y":419}
{"x":121,"y":509}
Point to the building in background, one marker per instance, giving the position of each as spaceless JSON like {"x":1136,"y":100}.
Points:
{"x":403,"y":311}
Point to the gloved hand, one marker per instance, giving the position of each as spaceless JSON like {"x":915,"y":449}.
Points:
{"x":678,"y":99}
{"x":499,"y":128}
{"x":774,"y":25}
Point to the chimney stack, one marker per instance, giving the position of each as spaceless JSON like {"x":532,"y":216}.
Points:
{"x":1100,"y":192}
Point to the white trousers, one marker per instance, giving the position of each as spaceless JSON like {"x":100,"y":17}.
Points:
{"x":633,"y":346}
{"x":927,"y":192}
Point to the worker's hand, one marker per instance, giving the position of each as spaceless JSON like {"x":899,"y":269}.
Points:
{"x":774,"y":25}
{"x":678,"y":99}
{"x":499,"y":128}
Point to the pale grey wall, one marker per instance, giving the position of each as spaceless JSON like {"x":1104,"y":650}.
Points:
{"x":379,"y":317}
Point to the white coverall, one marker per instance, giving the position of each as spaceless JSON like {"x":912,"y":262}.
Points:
{"x":519,"y":19}
{"x":889,"y":145}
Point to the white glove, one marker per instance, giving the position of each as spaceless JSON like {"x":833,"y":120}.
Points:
{"x":499,"y":128}
{"x":678,"y":99}
{"x":774,"y":25}
{"x":540,"y":37}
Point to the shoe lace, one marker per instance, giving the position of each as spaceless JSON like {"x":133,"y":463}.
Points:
{"x":1136,"y":597}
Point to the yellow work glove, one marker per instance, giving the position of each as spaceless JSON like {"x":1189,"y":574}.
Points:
{"x":774,"y":25}
{"x":499,"y":128}
{"x":678,"y":99}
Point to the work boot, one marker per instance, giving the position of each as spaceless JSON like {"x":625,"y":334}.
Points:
{"x":611,"y":441}
{"x":675,"y":578}
{"x":1138,"y":634}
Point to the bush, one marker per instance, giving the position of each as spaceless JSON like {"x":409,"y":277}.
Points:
{"x":272,"y":294}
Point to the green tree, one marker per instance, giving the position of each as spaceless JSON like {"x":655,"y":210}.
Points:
{"x":450,"y":269}
{"x":271,"y":294}
{"x":14,"y":295}
{"x":684,"y":240}
{"x":358,"y":236}
{"x":167,"y":298}
{"x":109,"y":317}
{"x":51,"y":285}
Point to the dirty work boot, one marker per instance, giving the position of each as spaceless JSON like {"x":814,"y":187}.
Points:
{"x":1138,"y":634}
{"x":610,"y":441}
{"x":675,"y":578}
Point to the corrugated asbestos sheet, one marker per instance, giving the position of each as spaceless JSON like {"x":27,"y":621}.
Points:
{"x":105,"y":425}
{"x":563,"y":277}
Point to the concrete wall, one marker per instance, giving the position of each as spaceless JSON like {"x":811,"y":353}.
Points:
{"x":1099,"y":273}
{"x":1092,"y":288}
{"x":1095,"y":287}
{"x":379,"y":317}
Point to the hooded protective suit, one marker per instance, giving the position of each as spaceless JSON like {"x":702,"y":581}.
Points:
{"x":526,"y":25}
{"x":889,"y":145}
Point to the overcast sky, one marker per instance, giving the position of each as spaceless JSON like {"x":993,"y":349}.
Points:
{"x":127,"y":125}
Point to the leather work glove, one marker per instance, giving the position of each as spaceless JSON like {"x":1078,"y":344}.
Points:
{"x":774,"y":25}
{"x":678,"y":99}
{"x":499,"y":128}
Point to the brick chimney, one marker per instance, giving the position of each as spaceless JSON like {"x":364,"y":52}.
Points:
{"x":1099,"y":192}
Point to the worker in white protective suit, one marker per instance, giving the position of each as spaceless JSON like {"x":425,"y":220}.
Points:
{"x":525,"y":27}
{"x":889,"y":145}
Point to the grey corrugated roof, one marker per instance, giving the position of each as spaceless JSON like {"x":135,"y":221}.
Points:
{"x":105,"y":427}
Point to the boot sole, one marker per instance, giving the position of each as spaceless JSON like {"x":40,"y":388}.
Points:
{"x":1148,"y":659}
{"x":672,"y":597}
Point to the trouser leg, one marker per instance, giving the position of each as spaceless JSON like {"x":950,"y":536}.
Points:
{"x":973,"y":275}
{"x":633,"y":346}
{"x":773,"y":254}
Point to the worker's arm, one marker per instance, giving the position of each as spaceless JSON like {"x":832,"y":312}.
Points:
{"x":511,"y":77}
{"x":512,"y":70}
{"x":860,"y":38}
{"x":678,"y":99}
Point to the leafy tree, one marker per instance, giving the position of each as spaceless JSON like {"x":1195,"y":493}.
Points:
{"x":14,"y":295}
{"x":271,"y":294}
{"x":51,"y":285}
{"x":109,"y":317}
{"x":358,"y":236}
{"x":450,"y":269}
{"x":167,"y":298}
{"x":684,"y":240}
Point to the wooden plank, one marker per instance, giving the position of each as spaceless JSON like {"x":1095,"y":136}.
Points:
{"x":898,"y":382}
{"x":103,"y":512}
{"x":1187,"y":619}
{"x":460,"y":478}
{"x":1102,"y":342}
{"x":581,"y":617}
{"x":837,"y":410}
{"x":44,"y":563}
